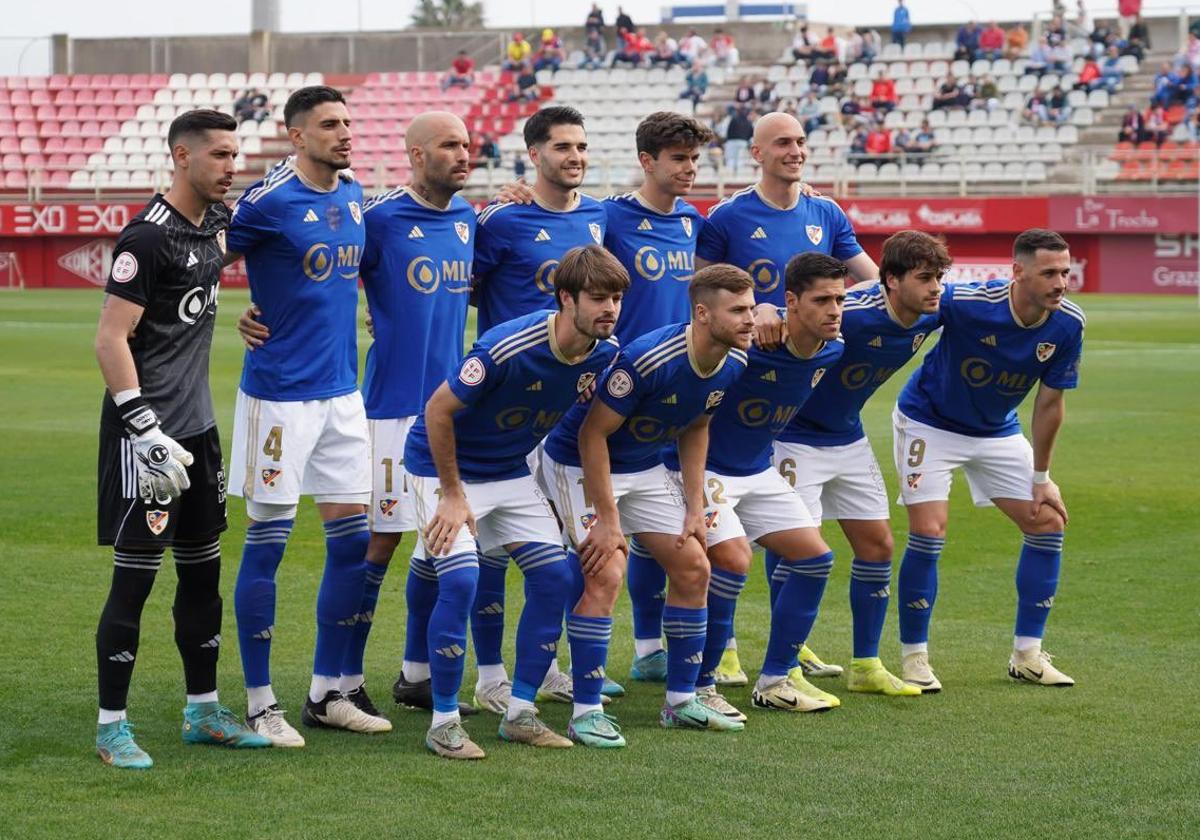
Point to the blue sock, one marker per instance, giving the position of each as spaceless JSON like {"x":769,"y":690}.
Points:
{"x":685,"y":629}
{"x":775,"y":578}
{"x":341,"y":590}
{"x":420,"y":594}
{"x":254,"y":597}
{"x":547,"y":582}
{"x":723,"y":590}
{"x":868,"y":604}
{"x":487,"y":613}
{"x":647,"y":582}
{"x":1037,"y":581}
{"x":589,"y":637}
{"x":357,"y":647}
{"x":795,"y":610}
{"x":457,"y":576}
{"x":575,"y":590}
{"x":917,"y":586}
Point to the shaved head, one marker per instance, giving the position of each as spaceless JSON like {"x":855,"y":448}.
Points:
{"x":771,"y":125}
{"x":425,"y":128}
{"x":439,"y":147}
{"x":781,"y":148}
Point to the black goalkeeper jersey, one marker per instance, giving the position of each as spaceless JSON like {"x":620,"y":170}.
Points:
{"x":172,"y":268}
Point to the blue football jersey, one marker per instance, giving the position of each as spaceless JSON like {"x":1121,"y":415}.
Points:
{"x":987,"y":361}
{"x":655,"y":385}
{"x":516,"y":384}
{"x":759,"y":406}
{"x":416,"y":271}
{"x":302,"y":248}
{"x":749,"y":232}
{"x":659,"y":252}
{"x":877,"y":345}
{"x":517,"y":248}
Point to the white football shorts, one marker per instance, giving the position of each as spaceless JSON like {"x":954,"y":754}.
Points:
{"x":391,"y":494}
{"x":749,"y":506}
{"x":835,"y":482}
{"x":506,"y":512}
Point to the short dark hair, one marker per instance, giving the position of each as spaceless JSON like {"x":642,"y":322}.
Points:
{"x":537,"y":127}
{"x":714,"y":278}
{"x":805,"y":269}
{"x":909,"y":250}
{"x":1031,"y":241}
{"x":668,"y":130}
{"x":306,"y":98}
{"x":589,"y":268}
{"x":198,"y":122}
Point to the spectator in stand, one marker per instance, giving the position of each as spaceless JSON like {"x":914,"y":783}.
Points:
{"x":551,"y":54}
{"x":1139,"y":40}
{"x":666,"y":51}
{"x":738,"y":133}
{"x":901,"y":24}
{"x":852,"y":47}
{"x":1058,"y":109}
{"x":634,"y":45}
{"x":991,"y":42}
{"x":818,"y":79}
{"x":872,"y":44}
{"x":693,"y":47}
{"x":517,"y":52}
{"x":725,"y":52}
{"x":1183,"y":88}
{"x":1164,"y":80}
{"x":925,"y":141}
{"x":767,"y":98}
{"x":829,"y":47}
{"x":624,"y":21}
{"x":851,"y":111}
{"x":1112,"y":76}
{"x":803,"y":44}
{"x":1035,"y":108}
{"x":857,"y":151}
{"x":967,"y":93}
{"x":966,"y":43}
{"x":1155,"y":126}
{"x":743,"y":94}
{"x":697,"y":83}
{"x":1056,"y":29}
{"x":489,"y":150}
{"x":1099,"y":38}
{"x":525,"y":88}
{"x":987,"y":95}
{"x":837,"y":79}
{"x":809,"y":113}
{"x":461,"y":72}
{"x":883,"y":92}
{"x":594,"y":51}
{"x":1058,"y":57}
{"x":1189,"y":55}
{"x":1129,"y":10}
{"x":1132,"y":126}
{"x":251,"y":105}
{"x":902,"y":139}
{"x":1192,"y":126}
{"x":947,"y":94}
{"x":1016,"y":41}
{"x":1089,"y":75}
{"x":594,"y":21}
{"x":879,"y":143}
{"x":518,"y":166}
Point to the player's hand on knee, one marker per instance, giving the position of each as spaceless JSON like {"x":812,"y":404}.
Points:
{"x":597,"y":548}
{"x":517,"y":192}
{"x":769,"y":328}
{"x":1047,"y":493}
{"x":693,"y":526}
{"x":252,"y":331}
{"x":452,"y":513}
{"x":161,"y":466}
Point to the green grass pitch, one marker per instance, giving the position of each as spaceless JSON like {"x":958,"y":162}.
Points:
{"x":1115,"y":756}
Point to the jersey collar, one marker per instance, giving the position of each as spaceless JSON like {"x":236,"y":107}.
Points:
{"x":691,"y":354}
{"x":576,"y":197}
{"x":758,"y":191}
{"x":887,"y":304}
{"x":641,"y":199}
{"x":792,"y":349}
{"x":1016,"y":319}
{"x":551,"y":319}
{"x":303,"y":180}
{"x":428,"y":205}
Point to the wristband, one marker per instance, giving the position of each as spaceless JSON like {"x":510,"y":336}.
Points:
{"x":137,"y":416}
{"x":1041,"y":476}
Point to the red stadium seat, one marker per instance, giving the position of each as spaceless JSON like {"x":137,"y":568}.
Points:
{"x":40,"y":97}
{"x":30,"y":145}
{"x":92,"y":144}
{"x":12,"y":160}
{"x":15,"y":181}
{"x":56,"y":144}
{"x":70,"y":129}
{"x":118,"y":80}
{"x":8,"y":128}
{"x":59,"y":81}
{"x":98,"y":80}
{"x":9,"y":145}
{"x":45,"y":112}
{"x":104,"y":95}
{"x":49,"y":128}
{"x":66,"y":112}
{"x":66,"y":96}
{"x":84,"y":97}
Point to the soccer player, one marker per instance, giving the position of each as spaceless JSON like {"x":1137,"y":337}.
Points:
{"x":467,"y":459}
{"x":747,"y":500}
{"x":603,"y":468}
{"x":299,"y":423}
{"x":161,"y":481}
{"x":824,"y":452}
{"x":959,"y":409}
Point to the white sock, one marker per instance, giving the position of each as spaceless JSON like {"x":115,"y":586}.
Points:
{"x":765,"y":681}
{"x":731,"y":644}
{"x":919,"y":647}
{"x":109,"y":716}
{"x":1026,"y":642}
{"x":491,"y":674}
{"x":415,"y":671}
{"x":674,"y":698}
{"x":443,"y":717}
{"x":206,"y":697}
{"x":350,"y":682}
{"x":320,"y":686}
{"x":582,"y":709}
{"x":258,"y":698}
{"x":645,"y":647}
{"x":515,"y":706}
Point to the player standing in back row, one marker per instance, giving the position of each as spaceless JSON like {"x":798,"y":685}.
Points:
{"x":161,"y":479}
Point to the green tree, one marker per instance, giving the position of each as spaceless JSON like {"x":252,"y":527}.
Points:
{"x":448,"y":14}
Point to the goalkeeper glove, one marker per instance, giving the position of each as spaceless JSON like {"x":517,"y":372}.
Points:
{"x":161,"y":462}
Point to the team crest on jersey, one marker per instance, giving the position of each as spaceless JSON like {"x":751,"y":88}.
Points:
{"x":712,"y":518}
{"x":271,"y":476}
{"x":585,"y":381}
{"x":597,"y":234}
{"x":918,"y":340}
{"x":913,"y":480}
{"x":815,"y":233}
{"x":620,"y":384}
{"x":355,"y":212}
{"x":714,"y":400}
{"x":386,"y":506}
{"x":687,"y":226}
{"x":463,"y":230}
{"x":472,"y":372}
{"x":221,"y":241}
{"x":1045,"y":350}
{"x":817,"y":374}
{"x":587,"y":520}
{"x":156,"y":521}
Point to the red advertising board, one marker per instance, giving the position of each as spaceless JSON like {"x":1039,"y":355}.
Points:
{"x":1122,"y":214}
{"x":1165,"y":263}
{"x":65,"y":219}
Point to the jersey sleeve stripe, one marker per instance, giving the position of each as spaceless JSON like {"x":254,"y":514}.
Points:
{"x":488,"y":212}
{"x":254,"y":196}
{"x":518,"y":337}
{"x":273,"y":177}
{"x":534,"y":341}
{"x":729,"y":200}
{"x":740,"y":355}
{"x":666,"y":347}
{"x":1074,"y":311}
{"x":656,"y":364}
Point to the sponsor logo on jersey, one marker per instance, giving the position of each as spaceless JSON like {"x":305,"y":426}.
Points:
{"x":759,"y":233}
{"x":1045,"y":350}
{"x":687,"y":226}
{"x":463,"y":230}
{"x":355,"y":212}
{"x":156,"y":521}
{"x":597,"y":233}
{"x":543,"y":278}
{"x":816,"y":377}
{"x":649,"y":263}
{"x":989,"y":340}
{"x":714,"y":400}
{"x":765,"y":277}
{"x":620,"y":384}
{"x":271,"y":476}
{"x":815,"y":233}
{"x":311,"y":216}
{"x":124,"y":267}
{"x":472,"y":372}
{"x":585,"y":381}
{"x":645,"y":225}
{"x":918,"y":339}
{"x":386,"y":506}
{"x":320,"y":260}
{"x":195,"y":301}
{"x":587,"y":520}
{"x":542,"y":236}
{"x":416,"y":233}
{"x":913,"y":480}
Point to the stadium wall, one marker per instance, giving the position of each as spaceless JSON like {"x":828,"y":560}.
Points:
{"x":1146,"y":245}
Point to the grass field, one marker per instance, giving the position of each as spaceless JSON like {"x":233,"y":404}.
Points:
{"x":1115,"y":756}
